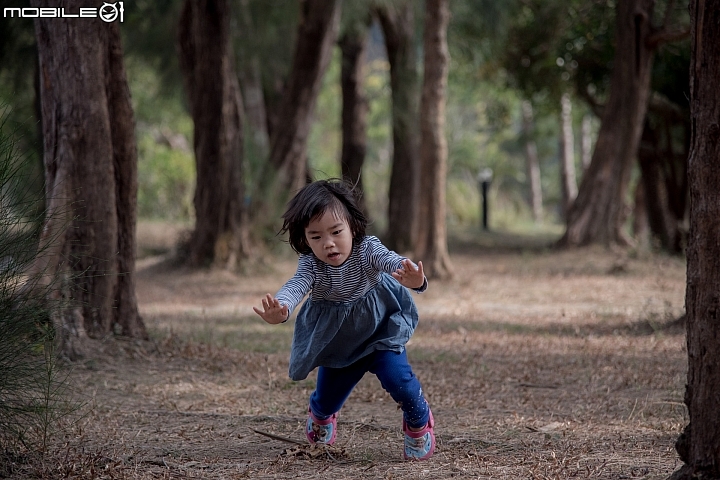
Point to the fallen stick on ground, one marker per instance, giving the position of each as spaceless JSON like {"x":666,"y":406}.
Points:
{"x":278,"y":437}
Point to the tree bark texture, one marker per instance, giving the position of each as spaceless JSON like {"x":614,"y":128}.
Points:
{"x":432,"y":230}
{"x":353,"y":44}
{"x":398,"y":25}
{"x":122,"y":128}
{"x":599,"y":212}
{"x":568,"y":180}
{"x":531,"y":161}
{"x":220,"y":233}
{"x":701,"y":453}
{"x":90,"y":162}
{"x":317,"y":32}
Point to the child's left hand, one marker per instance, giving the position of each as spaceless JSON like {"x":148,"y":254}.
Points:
{"x":410,"y":276}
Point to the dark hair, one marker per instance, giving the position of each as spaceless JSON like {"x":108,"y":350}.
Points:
{"x":312,"y":201}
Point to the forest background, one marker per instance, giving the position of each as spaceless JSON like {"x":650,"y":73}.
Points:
{"x":502,"y":57}
{"x":527,"y":82}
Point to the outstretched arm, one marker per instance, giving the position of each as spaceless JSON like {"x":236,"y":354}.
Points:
{"x":273,"y":312}
{"x":410,"y":276}
{"x":291,"y":294}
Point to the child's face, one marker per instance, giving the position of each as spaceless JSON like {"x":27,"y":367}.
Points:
{"x":330,"y":238}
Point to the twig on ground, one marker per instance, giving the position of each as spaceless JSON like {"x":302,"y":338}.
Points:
{"x":278,"y":437}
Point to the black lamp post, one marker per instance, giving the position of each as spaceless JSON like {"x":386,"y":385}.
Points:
{"x":484,"y":179}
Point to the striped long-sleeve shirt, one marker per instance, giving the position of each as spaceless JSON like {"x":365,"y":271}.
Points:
{"x":359,"y":274}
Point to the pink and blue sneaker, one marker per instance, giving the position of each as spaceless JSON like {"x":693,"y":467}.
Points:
{"x":419,"y":445}
{"x":321,"y":431}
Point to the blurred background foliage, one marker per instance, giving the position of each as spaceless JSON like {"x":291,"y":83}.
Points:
{"x":501,"y":54}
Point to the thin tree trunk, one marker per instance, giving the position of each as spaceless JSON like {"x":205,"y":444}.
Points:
{"x":90,"y":161}
{"x":698,"y":445}
{"x":586,"y":141}
{"x":432,"y":231}
{"x":353,"y":44}
{"x":531,"y":161}
{"x":567,"y":155}
{"x":220,"y":234}
{"x":317,"y":33}
{"x":598,"y":213}
{"x":398,"y":24}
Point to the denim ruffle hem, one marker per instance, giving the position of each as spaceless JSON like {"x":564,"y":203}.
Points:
{"x":337,"y":334}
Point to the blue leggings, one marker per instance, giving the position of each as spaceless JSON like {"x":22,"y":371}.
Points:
{"x":396,"y":377}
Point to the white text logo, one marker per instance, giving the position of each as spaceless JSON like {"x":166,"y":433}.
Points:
{"x":109,"y":12}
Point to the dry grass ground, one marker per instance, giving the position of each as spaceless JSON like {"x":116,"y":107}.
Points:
{"x":538,"y":364}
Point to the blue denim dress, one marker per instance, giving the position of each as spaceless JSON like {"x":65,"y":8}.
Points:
{"x":337,"y":334}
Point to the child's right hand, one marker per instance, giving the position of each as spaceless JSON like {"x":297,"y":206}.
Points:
{"x":272,"y":312}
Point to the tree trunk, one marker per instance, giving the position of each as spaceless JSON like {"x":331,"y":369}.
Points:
{"x":598,"y":213}
{"x":220,"y":234}
{"x":532,"y":162}
{"x":663,"y":164}
{"x":656,"y":166}
{"x":398,"y":25}
{"x":699,"y":446}
{"x":586,"y":141}
{"x":354,"y":108}
{"x":90,"y":162}
{"x":432,"y":232}
{"x":567,"y":155}
{"x":317,"y":33}
{"x":122,"y":128}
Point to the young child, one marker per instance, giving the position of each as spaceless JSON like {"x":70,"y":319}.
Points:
{"x":359,"y":315}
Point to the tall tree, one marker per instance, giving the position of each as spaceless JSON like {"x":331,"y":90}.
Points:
{"x":90,"y":163}
{"x":432,"y":230}
{"x":353,"y":45}
{"x":699,"y":445}
{"x":220,"y":233}
{"x":317,"y":32}
{"x":568,"y":181}
{"x":532,"y":161}
{"x":665,"y":146}
{"x":557,"y":47}
{"x":586,"y":141}
{"x":398,"y":24}
{"x":598,"y":213}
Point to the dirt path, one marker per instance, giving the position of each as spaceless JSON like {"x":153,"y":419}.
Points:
{"x":537,"y":365}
